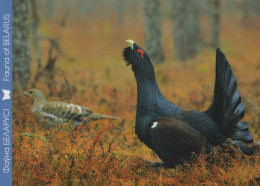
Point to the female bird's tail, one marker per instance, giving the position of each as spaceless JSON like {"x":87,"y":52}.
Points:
{"x":97,"y":116}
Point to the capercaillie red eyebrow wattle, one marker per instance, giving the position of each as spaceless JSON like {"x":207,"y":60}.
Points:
{"x":173,"y":133}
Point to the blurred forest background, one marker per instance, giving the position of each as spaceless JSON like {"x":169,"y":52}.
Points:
{"x":72,"y":52}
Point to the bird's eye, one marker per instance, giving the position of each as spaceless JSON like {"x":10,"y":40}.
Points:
{"x":141,"y":52}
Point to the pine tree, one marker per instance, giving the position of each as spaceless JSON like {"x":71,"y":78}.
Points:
{"x":153,"y":30}
{"x":21,"y":44}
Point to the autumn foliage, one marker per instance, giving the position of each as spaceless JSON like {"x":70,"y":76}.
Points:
{"x":109,"y":153}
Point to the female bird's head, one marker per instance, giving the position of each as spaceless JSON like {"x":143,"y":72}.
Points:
{"x":139,"y":59}
{"x":35,"y":94}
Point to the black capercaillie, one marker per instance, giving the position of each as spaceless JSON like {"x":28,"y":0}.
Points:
{"x":173,"y":133}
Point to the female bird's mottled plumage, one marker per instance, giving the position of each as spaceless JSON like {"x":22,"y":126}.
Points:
{"x":173,"y":133}
{"x":59,"y":112}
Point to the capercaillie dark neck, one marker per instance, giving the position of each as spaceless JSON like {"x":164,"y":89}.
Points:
{"x":150,"y":99}
{"x":147,"y":90}
{"x":150,"y":102}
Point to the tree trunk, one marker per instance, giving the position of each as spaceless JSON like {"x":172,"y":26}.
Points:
{"x":35,"y":34}
{"x":251,"y":9}
{"x":153,"y":30}
{"x":186,"y":28}
{"x":49,"y":8}
{"x":121,"y":11}
{"x":215,"y":23}
{"x":21,"y":45}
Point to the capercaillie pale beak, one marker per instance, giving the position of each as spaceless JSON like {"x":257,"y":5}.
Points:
{"x":131,"y":43}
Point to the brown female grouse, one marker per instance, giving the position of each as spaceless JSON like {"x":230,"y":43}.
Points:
{"x":59,"y":112}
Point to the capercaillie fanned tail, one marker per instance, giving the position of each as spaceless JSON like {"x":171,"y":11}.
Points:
{"x":226,"y":109}
{"x":242,"y":132}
